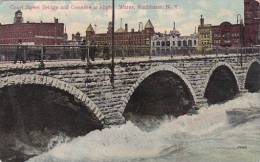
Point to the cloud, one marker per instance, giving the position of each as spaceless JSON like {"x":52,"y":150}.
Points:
{"x":204,"y":3}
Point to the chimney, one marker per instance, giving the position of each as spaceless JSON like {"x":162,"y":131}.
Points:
{"x":201,"y":20}
{"x":56,"y":20}
{"x":126,"y":27}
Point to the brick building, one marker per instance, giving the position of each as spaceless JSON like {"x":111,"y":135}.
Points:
{"x":123,"y":37}
{"x":223,"y":35}
{"x":252,"y":22}
{"x":32,"y":33}
{"x":227,"y":35}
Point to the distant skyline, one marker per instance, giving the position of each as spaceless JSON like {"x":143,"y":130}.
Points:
{"x":78,"y":15}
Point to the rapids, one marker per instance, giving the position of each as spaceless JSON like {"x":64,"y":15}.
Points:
{"x":228,"y":132}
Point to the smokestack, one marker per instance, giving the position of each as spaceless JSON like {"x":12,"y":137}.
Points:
{"x":126,"y":27}
{"x":56,"y":20}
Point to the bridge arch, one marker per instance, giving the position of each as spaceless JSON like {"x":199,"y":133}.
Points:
{"x":248,"y":70}
{"x":214,"y":69}
{"x":31,"y":79}
{"x":152,"y":71}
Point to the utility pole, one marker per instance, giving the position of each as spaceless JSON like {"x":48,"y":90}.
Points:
{"x":113,"y":44}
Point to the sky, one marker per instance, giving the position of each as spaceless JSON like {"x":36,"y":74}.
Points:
{"x":77,"y":15}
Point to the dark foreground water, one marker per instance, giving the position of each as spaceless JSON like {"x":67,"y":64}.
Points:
{"x":228,"y":132}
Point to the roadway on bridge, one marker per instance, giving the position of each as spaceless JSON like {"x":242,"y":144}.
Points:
{"x":7,"y":65}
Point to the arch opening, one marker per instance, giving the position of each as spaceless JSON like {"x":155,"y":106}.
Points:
{"x":32,"y":115}
{"x":162,"y":93}
{"x":252,"y":83}
{"x":222,"y":85}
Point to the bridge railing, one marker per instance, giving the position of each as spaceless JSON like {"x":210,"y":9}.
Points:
{"x":11,"y":52}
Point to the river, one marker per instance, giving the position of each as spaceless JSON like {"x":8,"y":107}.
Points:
{"x":228,"y":132}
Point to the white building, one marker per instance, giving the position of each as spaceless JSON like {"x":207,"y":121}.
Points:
{"x":165,"y":43}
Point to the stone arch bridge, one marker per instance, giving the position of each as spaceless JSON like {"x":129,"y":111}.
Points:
{"x":91,"y":84}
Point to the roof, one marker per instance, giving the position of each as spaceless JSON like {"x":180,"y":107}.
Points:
{"x":90,"y":28}
{"x":149,"y":25}
{"x":120,"y":30}
{"x":18,"y":11}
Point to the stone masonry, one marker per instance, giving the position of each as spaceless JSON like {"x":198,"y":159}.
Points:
{"x":91,"y":84}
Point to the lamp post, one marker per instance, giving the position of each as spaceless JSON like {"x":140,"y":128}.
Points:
{"x":113,"y":42}
{"x":241,"y":38}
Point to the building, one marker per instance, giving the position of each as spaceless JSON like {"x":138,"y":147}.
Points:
{"x":32,"y":33}
{"x":163,"y":43}
{"x":122,"y":36}
{"x":76,"y":39}
{"x":205,"y":41}
{"x":227,"y":35}
{"x":252,"y":22}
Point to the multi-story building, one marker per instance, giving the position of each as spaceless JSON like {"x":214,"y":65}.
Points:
{"x":123,"y":37}
{"x":252,"y":22}
{"x":205,"y":41}
{"x":163,"y":43}
{"x":228,"y":35}
{"x":32,"y":33}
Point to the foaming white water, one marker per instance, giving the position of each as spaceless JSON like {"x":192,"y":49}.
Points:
{"x":207,"y":136}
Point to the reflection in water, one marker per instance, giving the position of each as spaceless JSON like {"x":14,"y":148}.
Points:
{"x":226,"y":132}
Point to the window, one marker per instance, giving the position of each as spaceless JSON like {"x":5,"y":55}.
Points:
{"x":190,"y":43}
{"x":168,"y":43}
{"x":163,"y":43}
{"x":195,"y":43}
{"x":173,"y":43}
{"x":158,"y":43}
{"x":185,"y":43}
{"x":179,"y":43}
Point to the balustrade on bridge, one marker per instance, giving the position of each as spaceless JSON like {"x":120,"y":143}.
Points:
{"x":42,"y":53}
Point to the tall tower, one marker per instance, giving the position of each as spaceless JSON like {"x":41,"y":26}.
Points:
{"x":89,"y":33}
{"x":18,"y":17}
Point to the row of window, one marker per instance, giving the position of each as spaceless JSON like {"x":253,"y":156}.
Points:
{"x":227,"y":35}
{"x":205,"y":42}
{"x":179,"y":43}
{"x":205,"y":35}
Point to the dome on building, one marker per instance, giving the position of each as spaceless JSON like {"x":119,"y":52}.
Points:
{"x":149,"y":25}
{"x":120,"y":30}
{"x":175,"y":32}
{"x":18,"y":12}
